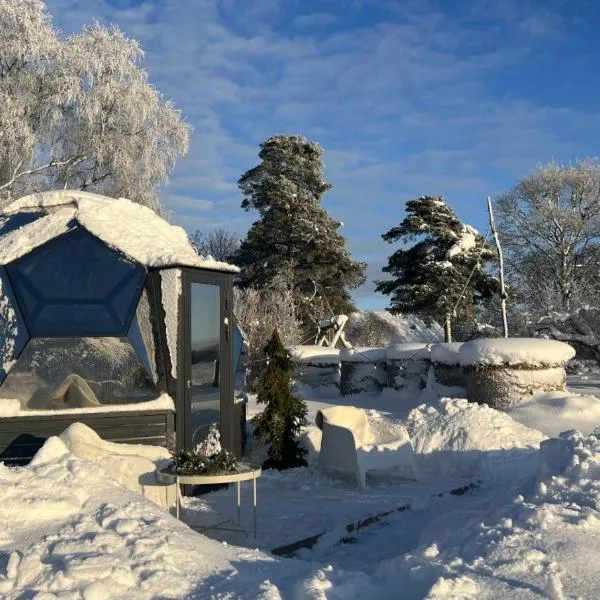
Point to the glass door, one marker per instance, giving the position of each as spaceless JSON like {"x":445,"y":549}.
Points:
{"x":208,"y":357}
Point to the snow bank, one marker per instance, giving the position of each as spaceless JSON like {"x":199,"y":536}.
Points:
{"x":362,"y":355}
{"x":446,"y":353}
{"x":126,"y":226}
{"x":529,"y":352}
{"x":555,"y":412}
{"x":12,"y":408}
{"x":314,"y":354}
{"x":457,"y":437}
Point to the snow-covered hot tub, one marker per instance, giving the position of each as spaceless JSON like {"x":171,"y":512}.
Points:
{"x":446,"y":364}
{"x":363,"y":370}
{"x":407,"y":366}
{"x":316,"y":365}
{"x":505,"y":371}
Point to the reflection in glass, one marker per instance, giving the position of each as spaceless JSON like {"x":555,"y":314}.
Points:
{"x":54,"y":373}
{"x":205,"y":398}
{"x":13,"y":334}
{"x":141,"y":335}
{"x":239,"y":362}
{"x":76,"y":286}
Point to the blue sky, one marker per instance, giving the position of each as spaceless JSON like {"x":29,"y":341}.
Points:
{"x":451,"y":97}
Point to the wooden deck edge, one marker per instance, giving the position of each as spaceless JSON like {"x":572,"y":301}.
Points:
{"x":289,"y":550}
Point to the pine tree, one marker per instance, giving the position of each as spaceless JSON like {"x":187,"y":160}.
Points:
{"x":447,"y":259}
{"x":284,"y":413}
{"x":295,"y":245}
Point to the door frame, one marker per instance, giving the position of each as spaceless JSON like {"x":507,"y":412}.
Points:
{"x":226,"y":424}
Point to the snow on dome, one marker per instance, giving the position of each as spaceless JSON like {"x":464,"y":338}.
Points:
{"x":467,"y":241}
{"x":446,"y":353}
{"x":407,"y":351}
{"x":314,"y":354}
{"x":362,"y":354}
{"x":532,"y":352}
{"x":131,"y":228}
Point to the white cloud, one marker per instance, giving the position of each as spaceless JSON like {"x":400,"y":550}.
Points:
{"x":401,"y":105}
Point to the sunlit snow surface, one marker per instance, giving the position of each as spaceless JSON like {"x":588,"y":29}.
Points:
{"x":530,"y":530}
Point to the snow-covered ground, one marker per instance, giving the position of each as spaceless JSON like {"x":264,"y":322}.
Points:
{"x":528,"y":527}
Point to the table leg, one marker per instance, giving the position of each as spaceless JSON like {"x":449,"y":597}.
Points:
{"x":239,"y":502}
{"x":254,"y":502}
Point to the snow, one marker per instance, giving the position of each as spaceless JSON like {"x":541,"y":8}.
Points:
{"x":314,"y":354}
{"x":467,"y":241}
{"x":171,"y":290}
{"x":12,"y":408}
{"x":446,"y":353}
{"x":458,"y":437}
{"x":19,"y":242}
{"x":360,"y":355}
{"x":407,"y":351}
{"x":531,"y":352}
{"x":132,"y":229}
{"x":527,"y":527}
{"x":554,"y":412}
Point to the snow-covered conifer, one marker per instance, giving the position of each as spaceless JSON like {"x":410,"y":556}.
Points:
{"x":447,"y":260}
{"x":295,"y":245}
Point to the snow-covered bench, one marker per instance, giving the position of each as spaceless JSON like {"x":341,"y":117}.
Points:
{"x":133,"y":466}
{"x":349,"y":444}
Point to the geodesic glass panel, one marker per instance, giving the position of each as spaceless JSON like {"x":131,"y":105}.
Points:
{"x":13,"y":333}
{"x":75,"y":285}
{"x":55,"y":373}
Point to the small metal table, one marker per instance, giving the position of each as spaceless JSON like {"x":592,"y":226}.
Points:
{"x":251,"y":474}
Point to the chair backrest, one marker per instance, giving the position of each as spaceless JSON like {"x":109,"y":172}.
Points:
{"x":349,"y":417}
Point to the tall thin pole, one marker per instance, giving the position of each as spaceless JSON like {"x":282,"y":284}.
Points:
{"x":501,"y":258}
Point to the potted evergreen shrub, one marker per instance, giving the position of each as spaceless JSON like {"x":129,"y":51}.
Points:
{"x":284,"y":414}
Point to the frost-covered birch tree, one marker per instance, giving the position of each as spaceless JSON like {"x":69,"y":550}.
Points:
{"x":550,"y":226}
{"x":78,"y":112}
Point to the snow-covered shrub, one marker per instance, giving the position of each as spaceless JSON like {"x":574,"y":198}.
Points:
{"x":580,"y":328}
{"x":259,"y":313}
{"x":505,"y":371}
{"x":379,"y":328}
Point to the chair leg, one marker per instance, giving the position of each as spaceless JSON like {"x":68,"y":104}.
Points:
{"x":361,"y":478}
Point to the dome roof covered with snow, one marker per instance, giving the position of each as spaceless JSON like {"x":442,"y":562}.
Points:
{"x":129,"y":228}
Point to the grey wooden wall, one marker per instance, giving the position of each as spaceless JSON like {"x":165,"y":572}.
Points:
{"x":22,"y":437}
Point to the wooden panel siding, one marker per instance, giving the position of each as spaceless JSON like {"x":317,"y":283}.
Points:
{"x":21,"y":437}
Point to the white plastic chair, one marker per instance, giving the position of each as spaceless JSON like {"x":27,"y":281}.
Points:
{"x":349,"y":444}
